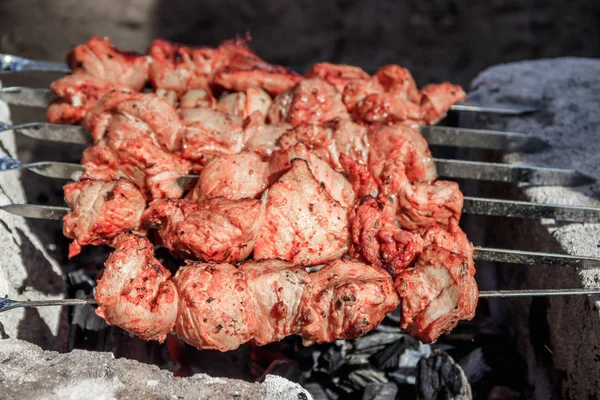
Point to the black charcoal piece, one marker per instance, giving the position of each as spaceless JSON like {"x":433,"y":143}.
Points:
{"x":380,"y":391}
{"x":440,"y":378}
{"x":316,"y":391}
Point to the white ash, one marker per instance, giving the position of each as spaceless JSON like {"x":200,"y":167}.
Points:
{"x":28,"y":372}
{"x":26,"y":270}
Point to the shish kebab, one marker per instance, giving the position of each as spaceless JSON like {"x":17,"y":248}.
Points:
{"x":427,"y":328}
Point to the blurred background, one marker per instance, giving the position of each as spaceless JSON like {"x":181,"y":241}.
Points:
{"x":437,"y":40}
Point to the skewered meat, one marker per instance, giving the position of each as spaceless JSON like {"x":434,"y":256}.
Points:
{"x":100,"y":211}
{"x":193,"y":98}
{"x":312,"y":101}
{"x":312,"y":214}
{"x":99,"y":59}
{"x":392,"y":95}
{"x":360,"y":177}
{"x":436,"y":293}
{"x":215,"y":230}
{"x":223,"y":307}
{"x":180,"y":68}
{"x":334,"y":183}
{"x":233,"y":176}
{"x":419,"y":205}
{"x":349,"y":299}
{"x":260,"y":137}
{"x":209,"y":133}
{"x":303,"y":224}
{"x":241,"y":69}
{"x":154,"y":119}
{"x":337,"y":74}
{"x":135,"y":291}
{"x":77,"y":93}
{"x":330,"y":140}
{"x":242,"y":104}
{"x":378,"y":241}
{"x":453,"y":239}
{"x":403,"y":144}
{"x":98,"y":68}
{"x":156,"y":172}
{"x":437,"y":99}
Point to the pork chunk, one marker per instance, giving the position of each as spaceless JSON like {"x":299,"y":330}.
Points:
{"x":135,"y":292}
{"x":232,"y":176}
{"x":348,"y":299}
{"x":303,"y":224}
{"x":100,"y":211}
{"x":437,"y":293}
{"x":215,"y":230}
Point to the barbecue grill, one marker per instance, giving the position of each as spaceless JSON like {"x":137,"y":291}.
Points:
{"x":452,"y":168}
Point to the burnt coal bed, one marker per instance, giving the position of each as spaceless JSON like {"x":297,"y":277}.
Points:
{"x":478,"y":360}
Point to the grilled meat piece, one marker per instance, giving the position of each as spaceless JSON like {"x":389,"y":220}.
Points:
{"x":243,"y":104}
{"x":436,"y":293}
{"x":241,"y":69}
{"x":312,"y":101}
{"x":335,"y":183}
{"x":99,"y":59}
{"x":391,"y":95}
{"x":215,"y":230}
{"x":360,"y":177}
{"x":348,"y":299}
{"x":437,"y":99}
{"x":135,"y":291}
{"x":337,"y":74}
{"x":151,"y":117}
{"x":330,"y":140}
{"x":303,"y":224}
{"x":377,"y":240}
{"x":155,"y":171}
{"x":180,"y":68}
{"x":232,"y":176}
{"x":262,"y":138}
{"x":100,"y":211}
{"x":77,"y":93}
{"x":214,"y":308}
{"x":193,"y":98}
{"x":209,"y":133}
{"x":419,"y":205}
{"x":453,"y":239}
{"x":98,"y":68}
{"x":403,"y":144}
{"x":223,"y":307}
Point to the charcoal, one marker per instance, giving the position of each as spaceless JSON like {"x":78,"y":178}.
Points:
{"x":474,"y":366}
{"x":380,"y":391}
{"x":332,"y":359}
{"x":389,"y":357}
{"x":357,"y":359}
{"x":85,"y":317}
{"x":360,"y":378}
{"x":439,"y":377}
{"x":331,"y":394}
{"x":404,"y":375}
{"x":316,"y":391}
{"x":376,"y":340}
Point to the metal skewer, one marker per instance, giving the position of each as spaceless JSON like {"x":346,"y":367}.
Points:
{"x":9,"y":304}
{"x":35,"y":97}
{"x":435,"y":135}
{"x":472,"y":205}
{"x":10,"y":63}
{"x":457,"y":169}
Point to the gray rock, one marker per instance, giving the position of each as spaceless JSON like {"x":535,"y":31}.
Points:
{"x":29,"y":372}
{"x":559,"y":332}
{"x":26,"y":270}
